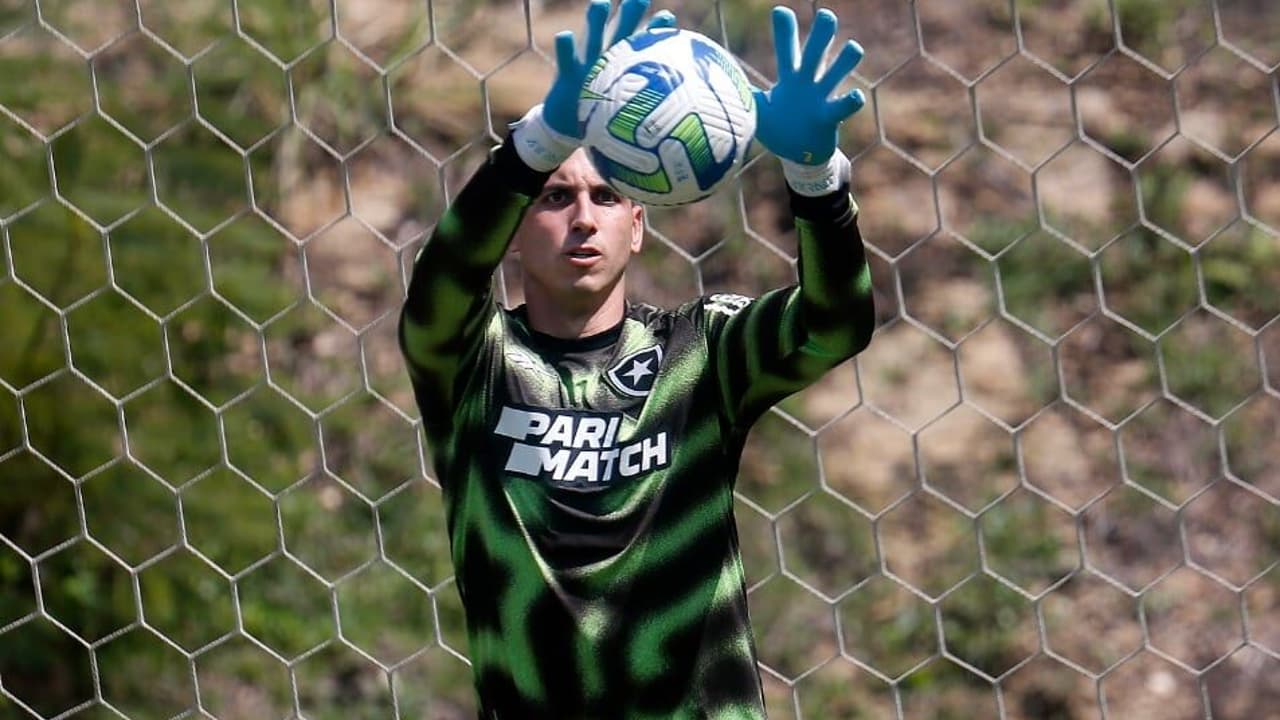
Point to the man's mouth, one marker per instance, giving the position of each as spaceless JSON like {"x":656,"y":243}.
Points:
{"x":583,"y":253}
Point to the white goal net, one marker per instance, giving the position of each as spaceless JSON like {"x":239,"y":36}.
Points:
{"x":1050,"y":488}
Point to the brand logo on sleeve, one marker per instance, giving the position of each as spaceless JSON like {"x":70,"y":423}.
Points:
{"x":634,"y":374}
{"x":726,"y":303}
{"x":577,"y":448}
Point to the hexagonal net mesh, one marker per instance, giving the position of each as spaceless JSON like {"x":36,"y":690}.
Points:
{"x":1050,"y":487}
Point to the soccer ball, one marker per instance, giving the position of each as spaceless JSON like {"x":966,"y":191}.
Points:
{"x":666,"y":116}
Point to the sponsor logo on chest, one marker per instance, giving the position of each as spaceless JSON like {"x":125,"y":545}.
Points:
{"x":575,"y":447}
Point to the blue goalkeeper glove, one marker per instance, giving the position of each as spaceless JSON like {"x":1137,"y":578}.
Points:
{"x":797,"y":119}
{"x":558,"y":113}
{"x":561,"y":106}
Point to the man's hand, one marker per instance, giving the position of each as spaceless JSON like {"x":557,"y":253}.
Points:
{"x":796,"y":118}
{"x":549,"y":133}
{"x":560,"y":109}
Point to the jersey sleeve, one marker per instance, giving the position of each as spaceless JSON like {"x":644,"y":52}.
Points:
{"x":450,"y":298}
{"x":765,"y":349}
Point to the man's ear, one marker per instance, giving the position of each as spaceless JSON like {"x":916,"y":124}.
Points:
{"x":637,"y":226}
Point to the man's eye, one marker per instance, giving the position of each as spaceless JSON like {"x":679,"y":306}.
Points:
{"x":606,"y":197}
{"x":555,"y":197}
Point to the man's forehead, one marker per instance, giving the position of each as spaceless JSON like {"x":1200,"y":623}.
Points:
{"x":576,"y":170}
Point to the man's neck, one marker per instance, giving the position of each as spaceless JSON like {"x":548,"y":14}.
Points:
{"x":569,"y":320}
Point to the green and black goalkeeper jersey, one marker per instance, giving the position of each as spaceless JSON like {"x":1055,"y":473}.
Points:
{"x":588,"y":483}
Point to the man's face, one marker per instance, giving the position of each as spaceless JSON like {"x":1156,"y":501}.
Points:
{"x":577,"y":237}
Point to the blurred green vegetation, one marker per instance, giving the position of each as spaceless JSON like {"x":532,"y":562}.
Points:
{"x":1162,"y":29}
{"x":248,"y":498}
{"x":164,"y":362}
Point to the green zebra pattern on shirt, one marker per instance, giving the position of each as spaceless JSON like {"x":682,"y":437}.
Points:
{"x":588,"y":483}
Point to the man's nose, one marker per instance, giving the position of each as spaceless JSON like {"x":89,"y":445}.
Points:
{"x":584,"y":218}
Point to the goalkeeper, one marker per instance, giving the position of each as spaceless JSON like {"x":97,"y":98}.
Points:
{"x":588,"y":446}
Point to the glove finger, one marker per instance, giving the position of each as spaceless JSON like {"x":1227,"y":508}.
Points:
{"x":761,"y":98}
{"x":815,"y":47}
{"x":662,"y":19}
{"x":841,"y":108}
{"x":566,"y":60}
{"x":764,"y":118}
{"x":629,"y":14}
{"x":849,"y":57}
{"x":785,"y":40}
{"x":597,"y":16}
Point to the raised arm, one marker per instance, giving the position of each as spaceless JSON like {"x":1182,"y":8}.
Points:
{"x":450,"y":299}
{"x":769,"y":348}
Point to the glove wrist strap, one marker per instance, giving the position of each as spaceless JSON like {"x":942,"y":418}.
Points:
{"x":539,"y":146}
{"x":817,"y":180}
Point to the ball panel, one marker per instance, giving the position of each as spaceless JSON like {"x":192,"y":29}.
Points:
{"x":656,"y":182}
{"x":712,"y":56}
{"x":660,"y":81}
{"x":667,"y":116}
{"x":641,"y":42}
{"x":692,"y":134}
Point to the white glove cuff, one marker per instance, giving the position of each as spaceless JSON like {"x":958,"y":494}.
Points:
{"x":540,"y":147}
{"x":817,"y":180}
